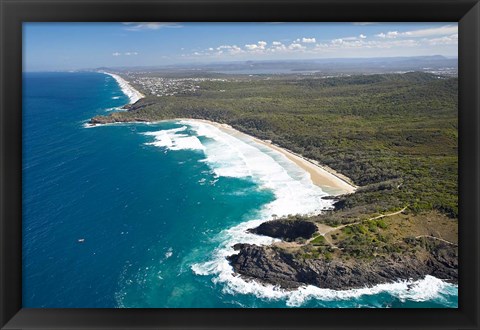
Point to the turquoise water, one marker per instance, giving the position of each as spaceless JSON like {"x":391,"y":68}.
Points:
{"x":143,"y":215}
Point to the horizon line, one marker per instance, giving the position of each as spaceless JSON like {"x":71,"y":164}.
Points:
{"x":240,"y":61}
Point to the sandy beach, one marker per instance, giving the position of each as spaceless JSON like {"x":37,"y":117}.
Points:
{"x":322,"y":176}
{"x":132,"y":94}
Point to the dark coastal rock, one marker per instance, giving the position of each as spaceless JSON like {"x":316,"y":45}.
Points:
{"x":287,"y":230}
{"x":330,"y":197}
{"x":339,"y":204}
{"x":99,"y":120}
{"x":140,"y":104}
{"x":271,"y":265}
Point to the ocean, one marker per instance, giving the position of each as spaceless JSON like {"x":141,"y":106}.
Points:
{"x":143,"y":215}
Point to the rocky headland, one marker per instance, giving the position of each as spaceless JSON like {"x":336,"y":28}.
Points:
{"x":336,"y":269}
{"x":127,"y":116}
{"x":271,"y":265}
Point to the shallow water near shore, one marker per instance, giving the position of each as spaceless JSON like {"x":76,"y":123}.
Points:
{"x":143,"y":215}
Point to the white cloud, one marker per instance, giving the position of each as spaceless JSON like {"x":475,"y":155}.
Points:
{"x":126,"y":54}
{"x":392,"y":34}
{"x":341,"y":43}
{"x":258,"y":46}
{"x":234,"y":49}
{"x":251,"y":46}
{"x":277,"y":47}
{"x":340,"y":40}
{"x":388,"y":43}
{"x":137,"y":26}
{"x":439,"y":31}
{"x":308,"y":40}
{"x":389,"y":35}
{"x":394,"y":43}
{"x":345,"y":43}
{"x":431,"y":32}
{"x":446,"y":40}
{"x":296,"y":46}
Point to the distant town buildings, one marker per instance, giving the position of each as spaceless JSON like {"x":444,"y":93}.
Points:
{"x":161,"y":86}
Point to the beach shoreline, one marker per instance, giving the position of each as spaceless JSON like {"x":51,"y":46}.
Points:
{"x":127,"y":89}
{"x":332,"y":182}
{"x":320,"y":175}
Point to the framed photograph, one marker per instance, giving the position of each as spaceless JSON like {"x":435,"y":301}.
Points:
{"x":209,"y":164}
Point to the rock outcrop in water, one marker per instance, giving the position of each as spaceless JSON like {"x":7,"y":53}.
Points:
{"x":287,"y":230}
{"x":272,"y":265}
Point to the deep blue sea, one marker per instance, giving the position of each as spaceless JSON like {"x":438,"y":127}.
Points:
{"x":143,"y":215}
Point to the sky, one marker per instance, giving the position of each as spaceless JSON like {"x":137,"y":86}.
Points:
{"x":74,"y":46}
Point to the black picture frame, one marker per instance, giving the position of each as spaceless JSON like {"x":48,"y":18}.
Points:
{"x":14,"y":12}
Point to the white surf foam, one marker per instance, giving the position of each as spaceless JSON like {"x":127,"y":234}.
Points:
{"x":171,"y":140}
{"x":127,"y":89}
{"x":234,"y":156}
{"x":86,"y":124}
{"x":115,"y":109}
{"x":422,"y":290}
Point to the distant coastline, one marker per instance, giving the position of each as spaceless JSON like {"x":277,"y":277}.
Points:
{"x":133,"y":95}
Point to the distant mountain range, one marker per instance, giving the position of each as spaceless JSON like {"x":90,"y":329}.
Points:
{"x":325,"y":66}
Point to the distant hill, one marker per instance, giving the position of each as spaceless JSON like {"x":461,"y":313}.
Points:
{"x":329,"y":66}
